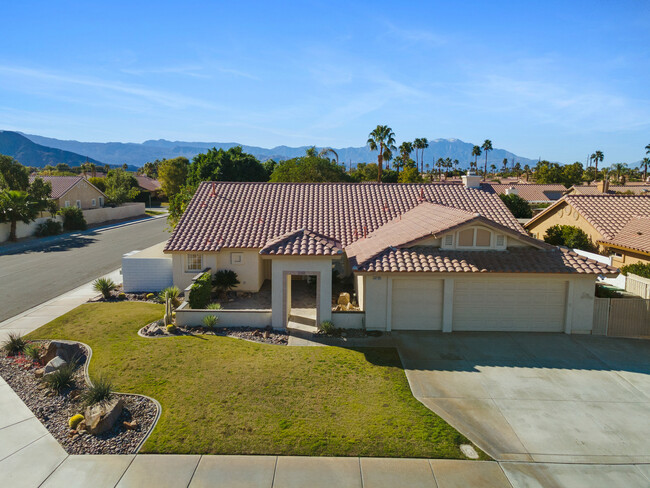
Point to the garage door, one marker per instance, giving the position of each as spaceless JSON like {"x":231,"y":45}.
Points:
{"x":509,"y":304}
{"x":416,"y":304}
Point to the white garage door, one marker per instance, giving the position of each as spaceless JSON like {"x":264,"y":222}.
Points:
{"x":510,"y":304}
{"x":416,"y":304}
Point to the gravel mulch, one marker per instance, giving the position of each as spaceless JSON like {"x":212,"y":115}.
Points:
{"x":128,"y":297}
{"x":54,"y":410}
{"x":266,"y":336}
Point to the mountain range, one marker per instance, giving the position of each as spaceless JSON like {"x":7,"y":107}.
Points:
{"x":43,"y":150}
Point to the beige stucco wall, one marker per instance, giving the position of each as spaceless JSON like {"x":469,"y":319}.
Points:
{"x":628,"y":257}
{"x":563,"y":214}
{"x":580,"y":296}
{"x":105,"y":214}
{"x":83,"y":191}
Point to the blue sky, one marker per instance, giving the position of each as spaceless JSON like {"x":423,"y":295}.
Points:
{"x":555,"y":80}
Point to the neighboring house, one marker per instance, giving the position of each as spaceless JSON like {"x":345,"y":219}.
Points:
{"x":73,"y":191}
{"x":531,"y":192}
{"x":617,"y":224}
{"x":604,"y":187}
{"x":423,"y":256}
{"x":149,"y":188}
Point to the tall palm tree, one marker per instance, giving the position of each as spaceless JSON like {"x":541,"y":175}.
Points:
{"x":476,"y":152}
{"x":405,"y":150}
{"x":645,"y":163}
{"x":328,"y":150}
{"x":487,"y":147}
{"x":505,"y":166}
{"x":417,"y":144}
{"x":425,"y":144}
{"x":17,"y":206}
{"x":598,"y":158}
{"x":526,"y":171}
{"x":619,"y":169}
{"x":456,"y":163}
{"x":382,"y":138}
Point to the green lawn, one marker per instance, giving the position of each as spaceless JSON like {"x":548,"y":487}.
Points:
{"x":227,"y":396}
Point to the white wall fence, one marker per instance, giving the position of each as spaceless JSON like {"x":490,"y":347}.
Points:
{"x":188,"y":317}
{"x":92,"y":216}
{"x":146,"y":273}
{"x":618,"y":282}
{"x":638,"y":285}
{"x":349,"y":320}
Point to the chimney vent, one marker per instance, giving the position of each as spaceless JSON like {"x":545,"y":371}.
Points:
{"x":603,"y":186}
{"x":471,"y":180}
{"x":512,"y":191}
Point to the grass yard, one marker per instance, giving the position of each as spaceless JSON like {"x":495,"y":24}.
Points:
{"x":227,"y":396}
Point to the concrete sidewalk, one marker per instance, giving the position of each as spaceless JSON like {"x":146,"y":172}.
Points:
{"x":40,"y":315}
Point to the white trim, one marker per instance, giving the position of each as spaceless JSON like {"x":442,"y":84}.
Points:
{"x":93,"y":202}
{"x":187,"y":263}
{"x":389,"y":305}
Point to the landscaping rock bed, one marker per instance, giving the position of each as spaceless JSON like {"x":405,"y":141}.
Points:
{"x":266,"y":336}
{"x":54,"y":410}
{"x":127,"y":297}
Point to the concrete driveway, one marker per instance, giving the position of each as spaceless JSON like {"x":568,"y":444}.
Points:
{"x":536,"y":397}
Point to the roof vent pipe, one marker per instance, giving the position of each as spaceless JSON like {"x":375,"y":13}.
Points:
{"x":512,"y":191}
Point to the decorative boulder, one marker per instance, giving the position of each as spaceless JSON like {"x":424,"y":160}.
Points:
{"x":62,"y":349}
{"x":100,"y":417}
{"x":56,"y":363}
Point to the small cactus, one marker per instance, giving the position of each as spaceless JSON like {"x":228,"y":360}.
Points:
{"x":74,"y":420}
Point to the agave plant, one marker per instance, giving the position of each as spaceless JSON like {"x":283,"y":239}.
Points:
{"x":105,"y":286}
{"x":171,"y":292}
{"x":210,"y":321}
{"x":14,"y":344}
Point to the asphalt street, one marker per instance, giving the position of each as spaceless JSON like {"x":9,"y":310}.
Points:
{"x":31,"y":277}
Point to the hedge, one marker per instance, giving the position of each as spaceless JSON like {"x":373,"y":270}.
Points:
{"x":639,"y":269}
{"x":200,"y":291}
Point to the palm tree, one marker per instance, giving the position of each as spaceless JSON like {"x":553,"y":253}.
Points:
{"x":440,"y":163}
{"x":327,"y":150}
{"x":526,"y":171}
{"x":476,"y":152}
{"x":493,"y":169}
{"x":93,"y":170}
{"x":618,"y":169}
{"x":310,"y":152}
{"x":17,"y":206}
{"x":597,"y":157}
{"x":425,"y":144}
{"x":417,"y":144}
{"x":645,"y":163}
{"x":505,"y":166}
{"x":487,"y":147}
{"x":456,"y":163}
{"x":382,"y":139}
{"x":405,"y":150}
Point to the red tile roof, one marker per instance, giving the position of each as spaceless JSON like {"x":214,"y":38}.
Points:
{"x":435,"y":260}
{"x":639,"y":189}
{"x":148,"y":184}
{"x":532,"y":192}
{"x":60,"y":184}
{"x":634,"y":235}
{"x":302,"y":242}
{"x":249,"y":215}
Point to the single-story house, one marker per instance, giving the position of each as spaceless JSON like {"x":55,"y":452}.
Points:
{"x":531,"y":192}
{"x":149,"y":188}
{"x":421,"y":256}
{"x":73,"y":191}
{"x":637,"y":188}
{"x":618,"y":224}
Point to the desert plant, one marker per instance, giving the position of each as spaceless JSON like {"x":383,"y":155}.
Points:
{"x":569,"y":236}
{"x":14,"y":344}
{"x":200,"y":291}
{"x":151,"y":296}
{"x":62,"y":378}
{"x":32,"y":351}
{"x":171,"y":328}
{"x":73,"y":218}
{"x":225,"y":280}
{"x":214,"y":306}
{"x":327,"y":327}
{"x":210,"y":321}
{"x":121,"y":296}
{"x":75,"y":420}
{"x":172,"y":292}
{"x":105,"y":286}
{"x":100,"y":391}
{"x":168,"y":318}
{"x":49,"y":228}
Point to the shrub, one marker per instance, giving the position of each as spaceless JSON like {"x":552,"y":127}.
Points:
{"x":73,"y":218}
{"x":225,"y":280}
{"x":32,"y":351}
{"x":105,"y":286}
{"x":214,"y":306}
{"x":172,"y":292}
{"x":569,"y":236}
{"x":121,"y":296}
{"x":639,"y":269}
{"x":171,"y":328}
{"x":210,"y":321}
{"x":49,"y":228}
{"x":150,"y":296}
{"x":200,"y":291}
{"x":100,"y":391}
{"x":14,"y":344}
{"x":327,"y":327}
{"x":75,"y":420}
{"x":62,"y":378}
{"x":518,"y":206}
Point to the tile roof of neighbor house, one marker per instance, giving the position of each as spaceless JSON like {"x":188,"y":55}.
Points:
{"x":427,"y":219}
{"x":435,"y":260}
{"x":302,"y":242}
{"x":148,"y":184}
{"x":639,"y":189}
{"x":634,"y":235}
{"x":60,"y":184}
{"x":249,"y":215}
{"x":532,"y":192}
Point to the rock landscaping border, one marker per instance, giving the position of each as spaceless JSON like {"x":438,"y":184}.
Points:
{"x":53,"y":410}
{"x":156,"y":330}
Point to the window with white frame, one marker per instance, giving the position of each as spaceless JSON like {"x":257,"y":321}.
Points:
{"x":78,"y":203}
{"x":67,"y":203}
{"x":94,"y":202}
{"x":194,"y":262}
{"x":474,"y":238}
